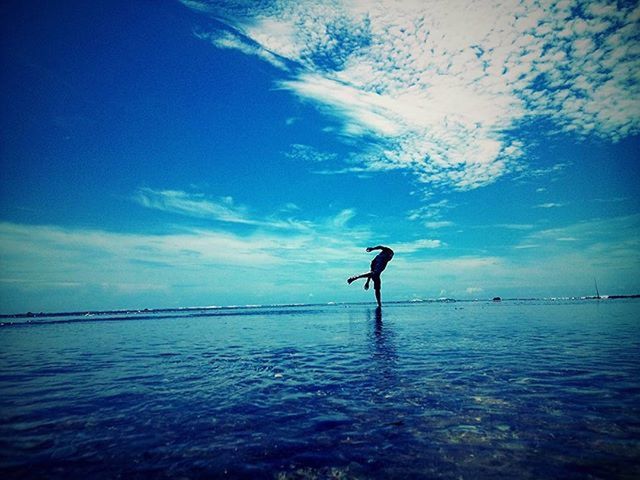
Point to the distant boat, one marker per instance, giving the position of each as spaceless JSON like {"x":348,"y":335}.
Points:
{"x":497,"y":299}
{"x":597,"y":292}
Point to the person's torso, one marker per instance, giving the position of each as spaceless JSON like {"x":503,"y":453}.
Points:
{"x":381,"y":260}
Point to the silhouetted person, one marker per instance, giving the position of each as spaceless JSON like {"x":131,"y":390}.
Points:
{"x":378,"y":264}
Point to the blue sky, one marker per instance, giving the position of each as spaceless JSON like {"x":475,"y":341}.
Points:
{"x":165,"y":154}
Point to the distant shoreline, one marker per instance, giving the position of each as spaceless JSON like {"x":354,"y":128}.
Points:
{"x":133,"y":311}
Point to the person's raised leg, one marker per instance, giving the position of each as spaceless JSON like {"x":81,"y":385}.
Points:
{"x":356,"y":277}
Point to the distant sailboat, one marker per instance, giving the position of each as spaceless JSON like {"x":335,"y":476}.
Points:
{"x":597,"y":292}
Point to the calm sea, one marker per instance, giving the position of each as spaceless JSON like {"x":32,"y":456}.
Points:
{"x":530,"y":389}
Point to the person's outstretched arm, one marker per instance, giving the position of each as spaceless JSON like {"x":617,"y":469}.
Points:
{"x":379,"y":247}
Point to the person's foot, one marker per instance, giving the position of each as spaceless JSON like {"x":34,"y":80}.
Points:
{"x":350,"y":280}
{"x":366,"y":286}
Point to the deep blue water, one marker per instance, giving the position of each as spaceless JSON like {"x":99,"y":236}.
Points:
{"x":434,"y":390}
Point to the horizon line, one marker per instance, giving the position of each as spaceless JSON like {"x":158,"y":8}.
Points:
{"x":45,"y":314}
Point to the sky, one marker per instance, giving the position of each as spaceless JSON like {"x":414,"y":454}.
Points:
{"x":196,"y":153}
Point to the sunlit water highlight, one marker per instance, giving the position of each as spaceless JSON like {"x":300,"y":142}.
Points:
{"x":531,"y":389}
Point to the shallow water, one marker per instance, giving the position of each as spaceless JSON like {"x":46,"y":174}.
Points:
{"x":530,"y":389}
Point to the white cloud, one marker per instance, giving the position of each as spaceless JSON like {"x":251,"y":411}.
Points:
{"x":611,"y":200}
{"x":439,"y":224}
{"x":543,"y":172}
{"x":199,"y":206}
{"x":617,"y":234}
{"x":369,"y":112}
{"x":525,"y":246}
{"x":417,"y":245}
{"x":307,"y":153}
{"x":549,"y":205}
{"x":474,"y":290}
{"x":438,"y":86}
{"x":514,"y":226}
{"x":431,"y":212}
{"x":230,"y":40}
{"x":197,"y":5}
{"x":196,"y":205}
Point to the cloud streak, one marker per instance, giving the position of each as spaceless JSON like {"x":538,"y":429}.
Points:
{"x":549,"y":205}
{"x":440,"y":87}
{"x":199,"y":206}
{"x":307,"y":153}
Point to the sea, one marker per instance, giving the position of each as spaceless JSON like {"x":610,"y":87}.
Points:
{"x":531,"y":389}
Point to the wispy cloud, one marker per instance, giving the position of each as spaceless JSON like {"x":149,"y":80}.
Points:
{"x":611,"y":200}
{"x":221,"y":210}
{"x":307,"y":153}
{"x":190,"y":204}
{"x":439,"y":224}
{"x":197,"y":5}
{"x":542,"y":172}
{"x":417,"y":245}
{"x":525,"y":246}
{"x":549,"y":205}
{"x":508,"y":226}
{"x":225,"y":211}
{"x":431,"y":214}
{"x":606,"y":236}
{"x":439,"y":86}
{"x":514,"y":226}
{"x":229,"y":40}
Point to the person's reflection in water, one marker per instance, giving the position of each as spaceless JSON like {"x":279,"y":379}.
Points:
{"x":384,"y":351}
{"x":385,"y":385}
{"x":378,"y":330}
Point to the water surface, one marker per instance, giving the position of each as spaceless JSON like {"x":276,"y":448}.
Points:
{"x":532,"y":389}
